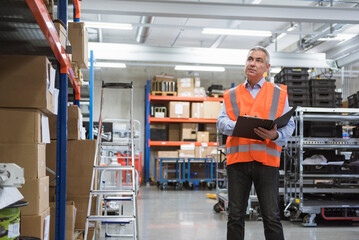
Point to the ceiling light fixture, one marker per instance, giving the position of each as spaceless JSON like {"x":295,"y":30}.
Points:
{"x":338,"y":37}
{"x":199,"y":68}
{"x":241,"y":32}
{"x":109,"y":65}
{"x":119,"y":26}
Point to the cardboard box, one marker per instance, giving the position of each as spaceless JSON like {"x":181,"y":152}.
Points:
{"x":204,"y":151}
{"x":211,"y":128}
{"x":179,"y":109}
{"x":36,"y":225}
{"x":188,"y":131}
{"x":81,"y":203}
{"x":202,"y":136}
{"x":185,"y":87}
{"x":70,"y":219}
{"x":197,"y":82}
{"x":174,"y":133}
{"x":36,"y":192}
{"x":211,"y":109}
{"x":27,"y":82}
{"x":185,"y":83}
{"x":78,"y":35}
{"x":23,"y":126}
{"x":80,"y":155}
{"x":197,"y":110}
{"x":74,"y":124}
{"x":186,"y":153}
{"x":167,"y":154}
{"x":185,"y":92}
{"x":31,"y":157}
{"x":61,"y":31}
{"x":199,"y":92}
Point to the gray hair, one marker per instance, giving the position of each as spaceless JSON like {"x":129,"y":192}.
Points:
{"x":260,"y":48}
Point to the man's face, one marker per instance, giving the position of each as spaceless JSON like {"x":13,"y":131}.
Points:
{"x":256,"y":65}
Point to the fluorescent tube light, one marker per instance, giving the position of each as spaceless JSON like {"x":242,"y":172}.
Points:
{"x":119,"y":26}
{"x":199,"y":68}
{"x":241,"y":32}
{"x":338,"y":37}
{"x":110,"y":65}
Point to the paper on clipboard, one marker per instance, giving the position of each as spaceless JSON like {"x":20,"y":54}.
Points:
{"x":245,"y":125}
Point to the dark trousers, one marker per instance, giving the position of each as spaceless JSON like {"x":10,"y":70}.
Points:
{"x":266,"y":183}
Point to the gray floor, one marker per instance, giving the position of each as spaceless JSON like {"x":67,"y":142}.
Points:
{"x":188,"y":214}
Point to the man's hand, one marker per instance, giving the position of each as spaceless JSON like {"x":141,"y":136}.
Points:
{"x":267,"y":134}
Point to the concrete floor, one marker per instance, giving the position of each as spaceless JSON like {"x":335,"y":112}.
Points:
{"x":188,"y":214}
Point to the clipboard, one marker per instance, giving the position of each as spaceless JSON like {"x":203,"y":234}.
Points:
{"x":245,"y":125}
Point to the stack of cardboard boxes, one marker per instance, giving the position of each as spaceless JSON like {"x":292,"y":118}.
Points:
{"x":27,"y":98}
{"x":80,"y":155}
{"x":78,"y":36}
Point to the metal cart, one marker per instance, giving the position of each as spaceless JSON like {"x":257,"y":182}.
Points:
{"x":205,"y":173}
{"x":330,"y":190}
{"x":170,"y":170}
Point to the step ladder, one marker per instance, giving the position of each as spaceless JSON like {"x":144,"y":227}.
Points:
{"x":118,"y":193}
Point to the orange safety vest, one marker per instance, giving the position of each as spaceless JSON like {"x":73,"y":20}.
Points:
{"x":268,"y":104}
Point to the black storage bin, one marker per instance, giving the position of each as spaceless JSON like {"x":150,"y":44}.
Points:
{"x":158,"y":134}
{"x":326,"y":89}
{"x":330,"y":96}
{"x":293,"y":71}
{"x":302,"y":103}
{"x":353,"y":100}
{"x":322,"y":129}
{"x":296,"y":83}
{"x":323,"y":103}
{"x":292,"y":90}
{"x":322,"y":82}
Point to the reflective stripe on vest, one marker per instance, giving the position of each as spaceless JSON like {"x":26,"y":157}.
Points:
{"x":239,"y":148}
{"x":263,"y":147}
{"x":232,"y":97}
{"x":275,"y":101}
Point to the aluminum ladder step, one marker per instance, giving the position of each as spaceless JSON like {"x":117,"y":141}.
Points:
{"x":118,"y":85}
{"x":112,"y":144}
{"x":107,"y":199}
{"x":113,"y":168}
{"x":112,"y":192}
{"x":112,"y":219}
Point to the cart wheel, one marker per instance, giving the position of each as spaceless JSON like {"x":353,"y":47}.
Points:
{"x":177,"y":186}
{"x":190,"y":185}
{"x":216,"y":208}
{"x":209,"y":185}
{"x":163,"y":186}
{"x":180,"y":186}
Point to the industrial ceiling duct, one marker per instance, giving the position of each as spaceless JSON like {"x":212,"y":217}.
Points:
{"x":142,"y":31}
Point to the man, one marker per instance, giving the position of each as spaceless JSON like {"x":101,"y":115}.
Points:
{"x":250,"y":160}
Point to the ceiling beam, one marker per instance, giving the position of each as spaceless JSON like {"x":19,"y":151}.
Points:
{"x":211,"y":56}
{"x":208,"y":10}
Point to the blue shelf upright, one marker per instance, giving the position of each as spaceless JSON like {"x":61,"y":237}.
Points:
{"x":147,"y":129}
{"x":61,"y":153}
{"x":91,"y":95}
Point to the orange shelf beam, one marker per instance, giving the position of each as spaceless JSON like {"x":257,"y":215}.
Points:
{"x":175,"y":143}
{"x":188,"y":99}
{"x":181,"y":120}
{"x":47,"y":27}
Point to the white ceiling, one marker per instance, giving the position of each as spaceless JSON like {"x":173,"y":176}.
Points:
{"x":186,"y":32}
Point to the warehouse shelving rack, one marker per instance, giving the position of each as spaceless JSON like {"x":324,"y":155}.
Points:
{"x":148,"y":120}
{"x":35,"y":20}
{"x":333,"y":192}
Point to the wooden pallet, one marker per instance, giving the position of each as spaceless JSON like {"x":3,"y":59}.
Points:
{"x":159,"y":93}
